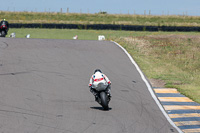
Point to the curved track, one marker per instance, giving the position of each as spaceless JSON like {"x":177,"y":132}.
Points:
{"x":43,"y":89}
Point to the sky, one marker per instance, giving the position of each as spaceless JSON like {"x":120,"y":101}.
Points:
{"x":153,"y":7}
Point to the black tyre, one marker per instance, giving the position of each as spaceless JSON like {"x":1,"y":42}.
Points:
{"x":104,"y":100}
{"x":3,"y":34}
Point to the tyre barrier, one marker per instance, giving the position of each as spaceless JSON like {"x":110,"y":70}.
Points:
{"x":106,"y":27}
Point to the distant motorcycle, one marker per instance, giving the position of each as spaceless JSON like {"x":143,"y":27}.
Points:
{"x":3,"y":30}
{"x":102,"y":97}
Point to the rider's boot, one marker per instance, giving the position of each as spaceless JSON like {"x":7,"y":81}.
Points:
{"x":94,"y":93}
{"x":108,"y":93}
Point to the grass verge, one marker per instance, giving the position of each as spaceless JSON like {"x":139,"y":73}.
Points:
{"x":120,"y":19}
{"x":169,"y":56}
{"x":173,"y":58}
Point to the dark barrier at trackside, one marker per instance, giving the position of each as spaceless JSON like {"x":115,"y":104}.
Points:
{"x":106,"y":27}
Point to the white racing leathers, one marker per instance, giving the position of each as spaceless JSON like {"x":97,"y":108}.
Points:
{"x":99,"y":81}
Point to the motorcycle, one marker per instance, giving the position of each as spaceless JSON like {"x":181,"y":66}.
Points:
{"x":3,"y":30}
{"x":102,"y":96}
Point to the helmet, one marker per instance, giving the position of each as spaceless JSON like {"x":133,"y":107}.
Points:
{"x":97,"y":70}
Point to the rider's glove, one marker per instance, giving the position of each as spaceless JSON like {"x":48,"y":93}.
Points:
{"x":90,"y":86}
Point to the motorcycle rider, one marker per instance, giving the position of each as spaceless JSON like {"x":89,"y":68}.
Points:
{"x":96,"y":78}
{"x":4,"y":22}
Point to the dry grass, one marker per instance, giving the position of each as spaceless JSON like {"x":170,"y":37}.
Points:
{"x":121,"y":19}
{"x":174,"y":59}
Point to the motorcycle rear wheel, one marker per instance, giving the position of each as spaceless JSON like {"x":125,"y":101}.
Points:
{"x":3,"y":34}
{"x":104,"y":100}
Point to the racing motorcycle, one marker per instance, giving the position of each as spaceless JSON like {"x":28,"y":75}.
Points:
{"x":102,"y":96}
{"x":3,"y":30}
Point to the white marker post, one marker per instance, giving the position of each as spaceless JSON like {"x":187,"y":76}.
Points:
{"x":28,"y":36}
{"x":101,"y":37}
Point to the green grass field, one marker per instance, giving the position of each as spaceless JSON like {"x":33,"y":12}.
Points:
{"x":78,"y":18}
{"x":172,"y":58}
{"x":70,"y":33}
{"x":169,"y":56}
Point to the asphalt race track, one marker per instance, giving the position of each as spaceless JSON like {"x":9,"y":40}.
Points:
{"x":44,"y":89}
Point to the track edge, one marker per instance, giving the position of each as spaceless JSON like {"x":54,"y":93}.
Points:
{"x":149,"y":88}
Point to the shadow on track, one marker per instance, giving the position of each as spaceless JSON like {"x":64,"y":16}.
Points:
{"x":100,"y":108}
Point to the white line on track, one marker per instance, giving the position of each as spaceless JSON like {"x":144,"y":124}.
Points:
{"x":149,"y":88}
